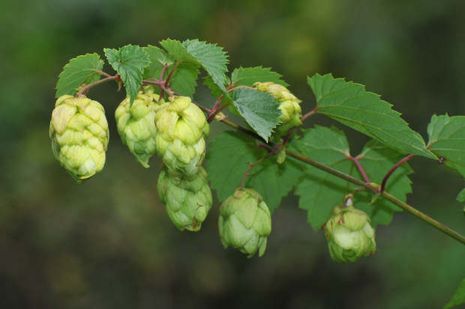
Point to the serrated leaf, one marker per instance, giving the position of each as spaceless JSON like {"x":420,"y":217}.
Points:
{"x":447,"y":140}
{"x":259,"y":109}
{"x":228,"y":158}
{"x":274,"y":181}
{"x":249,"y":76}
{"x":158,"y":59}
{"x":184,"y":80}
{"x":461,"y":196}
{"x":212,"y":58}
{"x":129,"y":62}
{"x":350,"y":104}
{"x":377,"y":159}
{"x":78,"y":71}
{"x":458,"y":298}
{"x":177,"y":51}
{"x":318,"y":191}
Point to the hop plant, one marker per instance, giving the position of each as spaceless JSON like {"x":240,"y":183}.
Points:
{"x":79,"y":134}
{"x":289,"y":105}
{"x":181,"y":128}
{"x":349,"y":234}
{"x":187,"y":199}
{"x":245,"y":222}
{"x":136,"y":125}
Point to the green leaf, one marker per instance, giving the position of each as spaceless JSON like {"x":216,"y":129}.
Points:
{"x":212,"y":58}
{"x":228,"y":158}
{"x":447,"y":140}
{"x":158,"y":59}
{"x":78,"y":71}
{"x":184,"y":80}
{"x":318,"y":191}
{"x":461,"y":196}
{"x":350,"y":104}
{"x":129,"y":62}
{"x":259,"y":109}
{"x":249,"y":76}
{"x":377,"y":159}
{"x":458,"y":298}
{"x":177,"y":51}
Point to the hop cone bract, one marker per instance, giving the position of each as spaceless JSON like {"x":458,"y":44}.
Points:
{"x":136,"y":124}
{"x":181,"y":128}
{"x":245,"y":222}
{"x":349,"y":234}
{"x":289,"y":105}
{"x":79,"y":134}
{"x":187,"y":199}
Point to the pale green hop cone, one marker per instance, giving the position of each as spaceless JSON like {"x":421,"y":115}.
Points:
{"x":79,"y":134}
{"x":349,"y":234}
{"x":245,"y":222}
{"x":187,"y":199}
{"x":289,"y":105}
{"x":136,"y":124}
{"x":180,"y":140}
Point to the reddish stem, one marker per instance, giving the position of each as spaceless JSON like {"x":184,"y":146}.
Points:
{"x":86,"y":88}
{"x":393,"y":169}
{"x":360,"y":169}
{"x":217,"y":108}
{"x":309,"y":114}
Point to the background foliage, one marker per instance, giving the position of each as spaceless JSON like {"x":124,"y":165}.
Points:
{"x":109,"y":244}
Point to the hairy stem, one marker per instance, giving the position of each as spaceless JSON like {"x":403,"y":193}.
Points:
{"x":393,"y":169}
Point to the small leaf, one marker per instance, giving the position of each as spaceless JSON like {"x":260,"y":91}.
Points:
{"x":212,"y":58}
{"x":129,"y":62}
{"x":319,"y":192}
{"x":461,"y":196}
{"x":259,"y":109}
{"x":447,"y":140}
{"x":350,"y":104}
{"x":249,"y":76}
{"x":228,"y":158}
{"x":78,"y":71}
{"x":158,"y":59}
{"x":377,"y":159}
{"x":458,"y":298}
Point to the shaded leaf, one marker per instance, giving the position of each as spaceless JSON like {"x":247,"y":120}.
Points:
{"x":249,"y":76}
{"x":458,"y":298}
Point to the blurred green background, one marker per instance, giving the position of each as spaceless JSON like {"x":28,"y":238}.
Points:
{"x":108,"y":243}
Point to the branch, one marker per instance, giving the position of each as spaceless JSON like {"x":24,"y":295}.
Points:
{"x":84,"y":89}
{"x":360,"y":168}
{"x":309,"y":114}
{"x":374,"y":188}
{"x":393,"y":169}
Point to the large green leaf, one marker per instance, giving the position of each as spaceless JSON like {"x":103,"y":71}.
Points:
{"x":129,"y":62}
{"x":228,"y":158}
{"x":249,"y":76}
{"x":458,"y":298}
{"x":377,"y":159}
{"x":259,"y":109}
{"x":78,"y":71}
{"x":318,"y":191}
{"x":447,"y":140}
{"x":350,"y":104}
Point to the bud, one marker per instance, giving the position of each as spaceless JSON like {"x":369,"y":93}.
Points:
{"x":187,"y":199}
{"x":181,"y":128}
{"x":289,"y":105}
{"x":349,"y":234}
{"x":136,"y":125}
{"x":245,"y":222}
{"x":79,"y":134}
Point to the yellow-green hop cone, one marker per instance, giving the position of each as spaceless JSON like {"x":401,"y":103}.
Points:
{"x":349,"y":234}
{"x":136,"y":124}
{"x":289,"y":105}
{"x":245,"y":222}
{"x":180,"y":140}
{"x":188,"y":199}
{"x":79,"y":134}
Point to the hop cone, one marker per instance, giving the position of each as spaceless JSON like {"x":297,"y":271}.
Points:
{"x":245,"y":222}
{"x":136,"y":125}
{"x":79,"y":134}
{"x":181,"y":128}
{"x":187,"y":199}
{"x":349,"y":234}
{"x":289,"y":105}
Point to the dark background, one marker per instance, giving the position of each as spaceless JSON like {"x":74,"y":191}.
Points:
{"x":108,"y":243}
